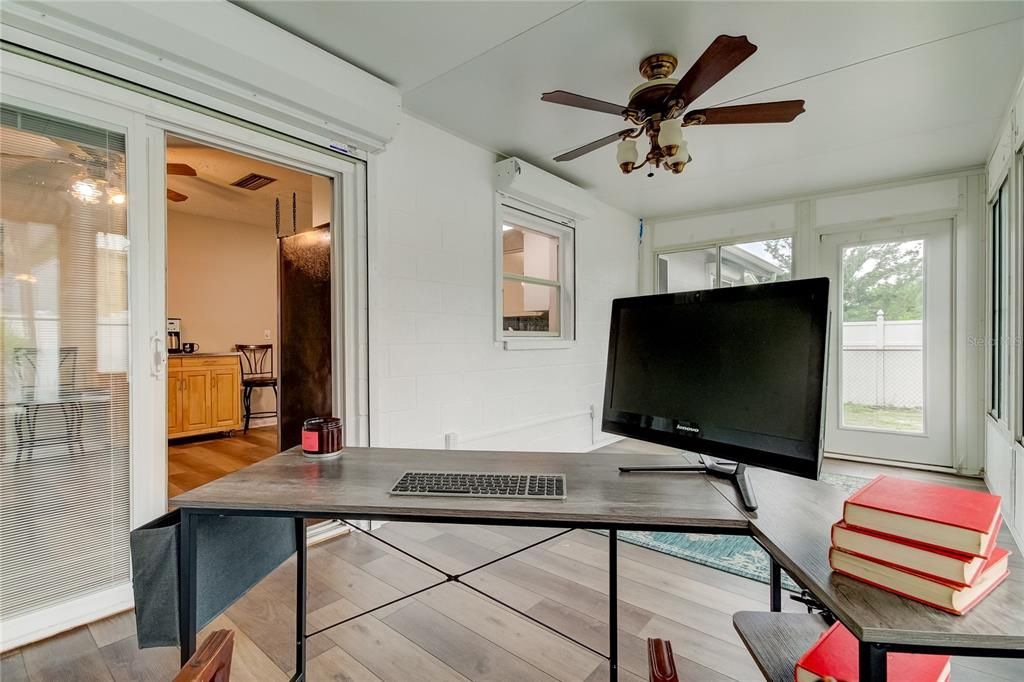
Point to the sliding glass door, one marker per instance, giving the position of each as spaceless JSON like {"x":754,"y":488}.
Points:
{"x":65,"y":469}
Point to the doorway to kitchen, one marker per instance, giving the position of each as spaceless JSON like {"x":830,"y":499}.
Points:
{"x":248,"y":300}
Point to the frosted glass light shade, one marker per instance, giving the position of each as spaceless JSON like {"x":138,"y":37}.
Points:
{"x":627,"y":155}
{"x":670,"y":136}
{"x":627,"y":152}
{"x":677,"y":162}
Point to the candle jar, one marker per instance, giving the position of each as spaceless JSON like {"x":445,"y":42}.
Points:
{"x":322,"y":437}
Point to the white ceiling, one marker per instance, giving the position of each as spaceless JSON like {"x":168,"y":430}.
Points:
{"x":478,"y":69}
{"x":211,"y":195}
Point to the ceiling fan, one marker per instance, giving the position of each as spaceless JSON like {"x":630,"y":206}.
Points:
{"x":179,"y":169}
{"x":659,"y":107}
{"x":96,"y":165}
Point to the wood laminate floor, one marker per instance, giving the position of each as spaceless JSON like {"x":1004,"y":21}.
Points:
{"x":195,"y":462}
{"x":451,"y":633}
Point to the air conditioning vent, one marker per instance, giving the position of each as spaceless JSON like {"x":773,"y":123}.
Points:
{"x":253,"y":181}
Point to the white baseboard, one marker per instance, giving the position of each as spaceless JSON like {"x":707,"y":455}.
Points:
{"x":326,"y":530}
{"x":603,"y":442}
{"x":32,"y":627}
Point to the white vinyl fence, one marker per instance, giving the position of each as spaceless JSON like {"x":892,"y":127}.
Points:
{"x":883,"y":363}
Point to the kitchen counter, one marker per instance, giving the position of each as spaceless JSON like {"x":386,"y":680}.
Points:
{"x":201,"y":355}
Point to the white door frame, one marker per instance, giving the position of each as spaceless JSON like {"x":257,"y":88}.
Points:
{"x":145,"y":120}
{"x":935,"y":447}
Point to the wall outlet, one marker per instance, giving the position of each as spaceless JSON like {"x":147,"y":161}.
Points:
{"x":266,"y":334}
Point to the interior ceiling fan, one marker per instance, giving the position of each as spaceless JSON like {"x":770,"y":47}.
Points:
{"x":659,"y":108}
{"x":96,"y":165}
{"x":179,"y":169}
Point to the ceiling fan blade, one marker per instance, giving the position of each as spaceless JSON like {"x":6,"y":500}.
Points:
{"x":180,"y":169}
{"x":580,"y":102}
{"x":33,"y":157}
{"x":176,"y":196}
{"x":764,"y":112}
{"x":596,"y":144}
{"x":723,"y":55}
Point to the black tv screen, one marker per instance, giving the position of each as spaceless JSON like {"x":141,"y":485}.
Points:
{"x":736,"y":373}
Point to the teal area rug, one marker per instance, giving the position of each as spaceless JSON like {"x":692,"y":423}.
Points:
{"x":736,"y":554}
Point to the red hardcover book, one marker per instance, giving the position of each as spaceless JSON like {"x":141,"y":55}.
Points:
{"x":939,"y":516}
{"x":950,"y":598}
{"x":836,"y":655}
{"x":959,"y":570}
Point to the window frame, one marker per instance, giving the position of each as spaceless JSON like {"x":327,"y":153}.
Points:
{"x":510,"y":211}
{"x":1016,"y":272}
{"x":718,"y":245}
{"x":997,"y":311}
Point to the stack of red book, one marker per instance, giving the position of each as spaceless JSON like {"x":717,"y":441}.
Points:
{"x":927,"y":542}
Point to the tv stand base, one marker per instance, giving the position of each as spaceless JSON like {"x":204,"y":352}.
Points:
{"x":734,"y":471}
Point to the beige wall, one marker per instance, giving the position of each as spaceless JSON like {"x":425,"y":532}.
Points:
{"x":222,"y":283}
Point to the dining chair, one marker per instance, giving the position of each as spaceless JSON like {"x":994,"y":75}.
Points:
{"x":212,"y":661}
{"x":257,"y":372}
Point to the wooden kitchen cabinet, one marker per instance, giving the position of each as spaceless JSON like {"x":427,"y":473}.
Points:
{"x":204,"y":394}
{"x":174,"y":414}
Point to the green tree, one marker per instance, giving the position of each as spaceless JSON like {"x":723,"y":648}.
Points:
{"x":888,"y":276}
{"x":781,"y":251}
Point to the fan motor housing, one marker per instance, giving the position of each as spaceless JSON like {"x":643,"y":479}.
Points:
{"x":649,"y":97}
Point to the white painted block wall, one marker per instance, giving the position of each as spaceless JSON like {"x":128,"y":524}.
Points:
{"x":435,"y":367}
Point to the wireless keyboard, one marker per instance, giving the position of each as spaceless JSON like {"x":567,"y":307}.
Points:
{"x":469,"y":484}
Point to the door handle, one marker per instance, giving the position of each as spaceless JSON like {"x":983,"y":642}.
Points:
{"x":159,"y":358}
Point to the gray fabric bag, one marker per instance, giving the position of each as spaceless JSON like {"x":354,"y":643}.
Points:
{"x":233,"y":553}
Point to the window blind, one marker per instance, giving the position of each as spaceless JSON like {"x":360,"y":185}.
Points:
{"x":64,"y":447}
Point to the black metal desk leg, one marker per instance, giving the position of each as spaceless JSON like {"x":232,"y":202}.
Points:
{"x":613,"y":605}
{"x":187,"y":586}
{"x":873,"y":663}
{"x":300,"y":599}
{"x":775,"y":584}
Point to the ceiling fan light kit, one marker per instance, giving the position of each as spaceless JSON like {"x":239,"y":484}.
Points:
{"x":658,"y":107}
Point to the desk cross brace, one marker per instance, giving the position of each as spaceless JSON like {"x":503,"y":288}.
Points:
{"x":457,"y":578}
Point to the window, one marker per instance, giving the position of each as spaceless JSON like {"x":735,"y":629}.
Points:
{"x":998,"y":309}
{"x":536,"y":286}
{"x":726,"y":265}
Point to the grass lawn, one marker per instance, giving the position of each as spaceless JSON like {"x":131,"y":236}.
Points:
{"x":883,"y":417}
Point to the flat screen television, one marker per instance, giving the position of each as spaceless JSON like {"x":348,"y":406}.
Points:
{"x":736,"y":373}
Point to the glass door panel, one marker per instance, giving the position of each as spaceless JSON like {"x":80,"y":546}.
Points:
{"x":882,"y":336}
{"x":891,"y":363}
{"x":65,"y":500}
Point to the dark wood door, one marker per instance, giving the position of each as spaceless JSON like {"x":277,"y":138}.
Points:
{"x":304,"y":279}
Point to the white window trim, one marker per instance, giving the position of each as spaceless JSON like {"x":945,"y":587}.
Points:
{"x":549,"y":223}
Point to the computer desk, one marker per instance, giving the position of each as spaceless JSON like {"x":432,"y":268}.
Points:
{"x":793,"y":524}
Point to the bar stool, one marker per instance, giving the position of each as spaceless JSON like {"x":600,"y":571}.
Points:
{"x":257,"y":372}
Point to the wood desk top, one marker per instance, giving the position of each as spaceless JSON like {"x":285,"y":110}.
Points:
{"x":794,"y":521}
{"x":356,"y":484}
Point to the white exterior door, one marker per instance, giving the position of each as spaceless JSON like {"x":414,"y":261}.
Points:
{"x":891,"y":362}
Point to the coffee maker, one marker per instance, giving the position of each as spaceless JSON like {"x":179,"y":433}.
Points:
{"x":173,"y":334}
